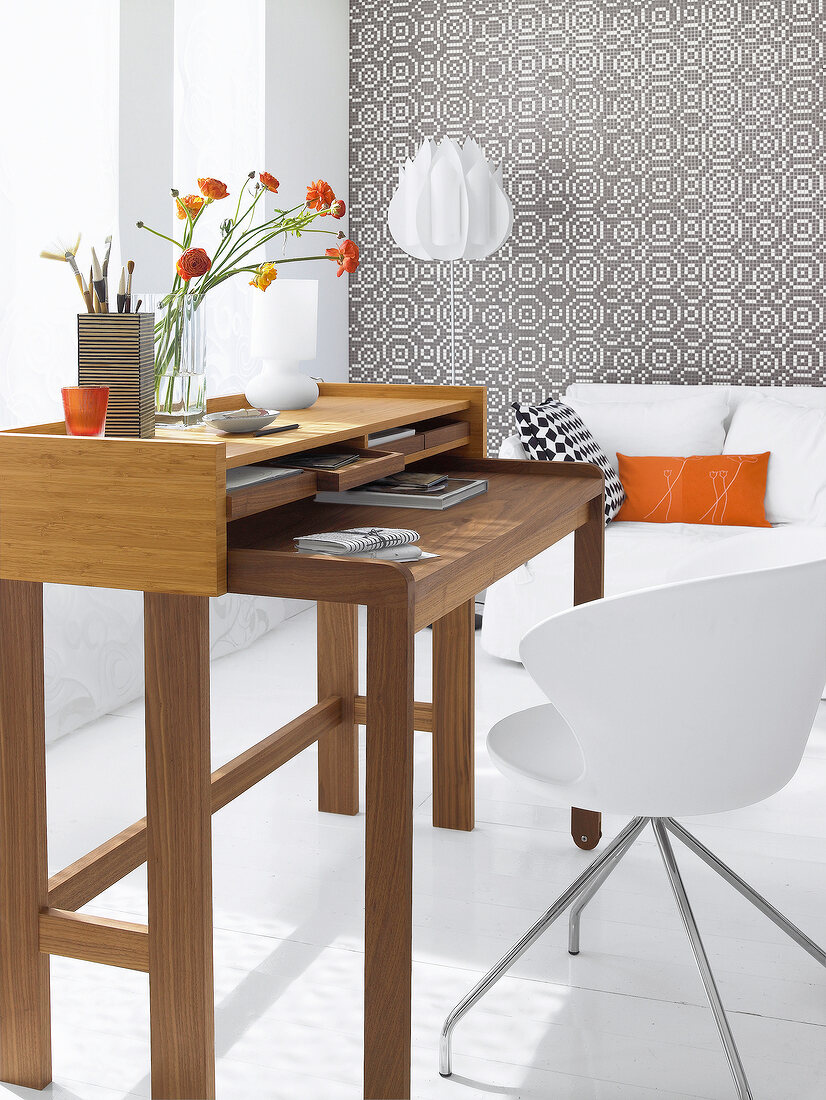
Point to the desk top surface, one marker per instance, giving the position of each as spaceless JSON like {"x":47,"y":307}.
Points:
{"x":528,"y":506}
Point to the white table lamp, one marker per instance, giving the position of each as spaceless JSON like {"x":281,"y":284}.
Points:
{"x":284,"y":333}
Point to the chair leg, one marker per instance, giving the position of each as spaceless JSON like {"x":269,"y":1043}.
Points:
{"x":735,"y":1065}
{"x":531,"y":936}
{"x":747,"y":891}
{"x":596,"y":884}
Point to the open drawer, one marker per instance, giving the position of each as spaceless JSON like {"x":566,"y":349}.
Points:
{"x":372,"y":464}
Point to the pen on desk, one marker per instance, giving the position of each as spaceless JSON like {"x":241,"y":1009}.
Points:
{"x":272,"y":431}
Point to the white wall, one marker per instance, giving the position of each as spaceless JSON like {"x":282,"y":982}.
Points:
{"x":145,"y":140}
{"x":306,"y":93}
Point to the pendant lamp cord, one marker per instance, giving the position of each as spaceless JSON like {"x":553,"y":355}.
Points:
{"x":452,"y":330}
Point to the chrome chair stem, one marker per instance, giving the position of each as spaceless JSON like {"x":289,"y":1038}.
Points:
{"x":596,"y":885}
{"x":684,"y":906}
{"x":531,"y":936}
{"x":742,"y":887}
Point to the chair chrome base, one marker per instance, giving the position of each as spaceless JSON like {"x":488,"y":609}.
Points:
{"x":583,"y":890}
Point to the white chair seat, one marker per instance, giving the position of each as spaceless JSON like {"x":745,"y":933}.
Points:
{"x":537,"y":748}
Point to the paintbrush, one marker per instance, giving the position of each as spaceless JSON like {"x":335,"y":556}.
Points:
{"x":61,"y":251}
{"x":122,"y":291}
{"x":138,"y":306}
{"x":92,"y":295}
{"x":108,"y":242}
{"x":130,"y":267}
{"x":99,"y":283}
{"x":87,"y":296}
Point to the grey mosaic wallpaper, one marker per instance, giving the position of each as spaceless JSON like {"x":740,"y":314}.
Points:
{"x":665,"y":160}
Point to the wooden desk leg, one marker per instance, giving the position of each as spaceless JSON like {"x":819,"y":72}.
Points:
{"x":25,"y":1016}
{"x":338,"y":750}
{"x":388,"y":922}
{"x":589,"y":570}
{"x":453,"y":718}
{"x":178,"y":838}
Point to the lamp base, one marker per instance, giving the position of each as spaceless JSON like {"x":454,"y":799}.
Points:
{"x":281,"y":385}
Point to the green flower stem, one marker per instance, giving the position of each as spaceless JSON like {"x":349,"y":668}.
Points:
{"x":163,"y":236}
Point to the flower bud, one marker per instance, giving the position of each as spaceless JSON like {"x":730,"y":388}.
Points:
{"x":175,"y":192}
{"x":139,"y":225}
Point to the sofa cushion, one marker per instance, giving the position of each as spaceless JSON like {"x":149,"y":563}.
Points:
{"x":723,"y":490}
{"x":693,"y":424}
{"x":553,"y":432}
{"x":796,"y":437}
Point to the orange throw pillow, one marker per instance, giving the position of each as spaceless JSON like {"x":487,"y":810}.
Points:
{"x":726,"y":490}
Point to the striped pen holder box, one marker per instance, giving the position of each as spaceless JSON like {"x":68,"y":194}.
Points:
{"x":118,"y":350}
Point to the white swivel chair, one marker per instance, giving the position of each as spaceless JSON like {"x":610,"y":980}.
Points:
{"x":690,"y":699}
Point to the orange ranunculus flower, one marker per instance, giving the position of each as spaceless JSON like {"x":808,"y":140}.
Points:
{"x":212,"y":189}
{"x":338,"y":208}
{"x":269,"y":181}
{"x":264,"y":275}
{"x":189,"y":204}
{"x":193,"y":263}
{"x":346,"y":256}
{"x":319,"y":195}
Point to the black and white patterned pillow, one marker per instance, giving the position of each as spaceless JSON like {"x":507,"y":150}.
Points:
{"x":553,"y":431}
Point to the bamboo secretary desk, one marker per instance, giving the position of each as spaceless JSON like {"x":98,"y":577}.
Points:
{"x":155,"y":516}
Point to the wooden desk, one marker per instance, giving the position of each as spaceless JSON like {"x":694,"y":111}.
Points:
{"x":153,"y":515}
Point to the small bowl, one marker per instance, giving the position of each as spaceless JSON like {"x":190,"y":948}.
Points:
{"x":241,"y":420}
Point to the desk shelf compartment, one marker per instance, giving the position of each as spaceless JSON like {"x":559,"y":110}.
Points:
{"x":372,"y":464}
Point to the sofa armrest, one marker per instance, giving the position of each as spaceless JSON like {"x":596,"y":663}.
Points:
{"x":512,"y":448}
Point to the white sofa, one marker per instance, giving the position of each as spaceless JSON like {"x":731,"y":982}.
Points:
{"x":642,"y":555}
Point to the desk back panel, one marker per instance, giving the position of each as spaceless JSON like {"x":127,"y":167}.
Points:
{"x":139,"y":514}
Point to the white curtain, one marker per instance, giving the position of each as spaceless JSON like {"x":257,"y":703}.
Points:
{"x":219,"y":132}
{"x":58,"y":176}
{"x":59,"y":138}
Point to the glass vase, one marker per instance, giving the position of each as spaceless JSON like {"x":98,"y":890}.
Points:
{"x":180,"y":359}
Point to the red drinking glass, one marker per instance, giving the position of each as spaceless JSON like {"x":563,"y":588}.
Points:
{"x":84,"y":408}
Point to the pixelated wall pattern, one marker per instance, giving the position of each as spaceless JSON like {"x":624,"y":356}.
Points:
{"x":665,"y":159}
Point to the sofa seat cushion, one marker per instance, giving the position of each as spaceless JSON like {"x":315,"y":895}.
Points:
{"x":637,"y":555}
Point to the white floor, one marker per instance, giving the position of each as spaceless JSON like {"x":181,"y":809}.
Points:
{"x":625,"y":1020}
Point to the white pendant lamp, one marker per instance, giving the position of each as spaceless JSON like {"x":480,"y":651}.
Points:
{"x":450,"y":204}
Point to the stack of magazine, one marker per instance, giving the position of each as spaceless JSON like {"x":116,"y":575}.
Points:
{"x":386,"y":543}
{"x":410,"y":490}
